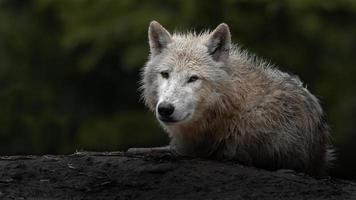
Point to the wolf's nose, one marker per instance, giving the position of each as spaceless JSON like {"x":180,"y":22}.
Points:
{"x":165,"y":109}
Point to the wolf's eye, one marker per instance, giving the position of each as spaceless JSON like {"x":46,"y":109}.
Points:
{"x":193,"y":78}
{"x":165,"y":75}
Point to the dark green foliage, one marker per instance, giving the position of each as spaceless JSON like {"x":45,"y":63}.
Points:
{"x":69,"y":70}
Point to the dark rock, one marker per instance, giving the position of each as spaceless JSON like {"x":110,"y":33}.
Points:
{"x":116,"y":175}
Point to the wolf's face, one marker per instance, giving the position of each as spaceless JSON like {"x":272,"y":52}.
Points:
{"x":177,"y":94}
{"x":181,"y":78}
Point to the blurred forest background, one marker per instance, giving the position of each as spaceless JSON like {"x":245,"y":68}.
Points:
{"x":69,"y":69}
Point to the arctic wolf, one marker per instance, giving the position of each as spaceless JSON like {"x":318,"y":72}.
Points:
{"x":218,"y":101}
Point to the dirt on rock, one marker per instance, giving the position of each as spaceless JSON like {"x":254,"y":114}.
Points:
{"x":117,"y":175}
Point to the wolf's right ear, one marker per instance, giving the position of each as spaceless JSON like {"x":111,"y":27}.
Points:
{"x":219,"y":43}
{"x":158,"y":38}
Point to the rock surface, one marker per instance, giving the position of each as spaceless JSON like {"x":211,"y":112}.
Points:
{"x":117,"y":175}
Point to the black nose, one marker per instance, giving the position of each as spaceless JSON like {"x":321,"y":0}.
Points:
{"x":165,"y":109}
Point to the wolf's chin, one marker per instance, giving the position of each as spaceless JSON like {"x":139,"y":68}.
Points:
{"x":171,"y":121}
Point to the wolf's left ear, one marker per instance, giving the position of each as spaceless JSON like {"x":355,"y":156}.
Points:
{"x":219,"y":43}
{"x":158,"y":38}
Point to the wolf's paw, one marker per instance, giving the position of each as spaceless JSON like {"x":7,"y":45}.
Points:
{"x":139,"y":150}
{"x":161,"y":153}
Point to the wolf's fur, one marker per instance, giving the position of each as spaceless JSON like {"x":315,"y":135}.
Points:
{"x":241,"y":107}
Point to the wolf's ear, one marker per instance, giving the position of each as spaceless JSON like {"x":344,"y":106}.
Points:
{"x":219,"y":42}
{"x":158,"y":38}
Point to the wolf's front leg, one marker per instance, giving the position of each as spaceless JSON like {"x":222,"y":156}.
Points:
{"x":152,"y":150}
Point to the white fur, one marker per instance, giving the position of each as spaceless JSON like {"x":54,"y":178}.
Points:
{"x":240,"y":108}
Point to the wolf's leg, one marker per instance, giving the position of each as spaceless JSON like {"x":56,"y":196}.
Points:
{"x":154,"y":150}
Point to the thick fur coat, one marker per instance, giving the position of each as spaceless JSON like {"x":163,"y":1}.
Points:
{"x":228,"y":104}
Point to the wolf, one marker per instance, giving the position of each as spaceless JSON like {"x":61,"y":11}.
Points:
{"x":216,"y":100}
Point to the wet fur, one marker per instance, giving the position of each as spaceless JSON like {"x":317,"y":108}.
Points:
{"x":247,"y":109}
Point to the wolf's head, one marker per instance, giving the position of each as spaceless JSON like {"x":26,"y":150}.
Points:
{"x":182,"y":78}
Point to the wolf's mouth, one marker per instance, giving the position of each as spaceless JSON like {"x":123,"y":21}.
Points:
{"x":170,"y":120}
